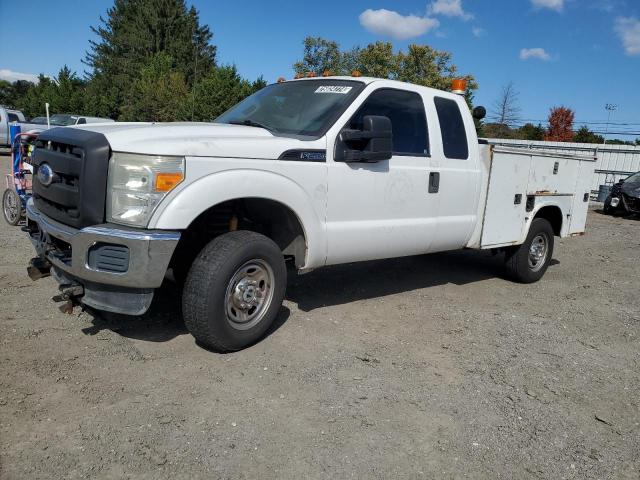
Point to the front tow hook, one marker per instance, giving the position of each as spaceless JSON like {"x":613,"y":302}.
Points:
{"x":69,"y":294}
{"x":38,"y":268}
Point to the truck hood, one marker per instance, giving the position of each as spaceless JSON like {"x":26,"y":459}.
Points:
{"x":198,"y":139}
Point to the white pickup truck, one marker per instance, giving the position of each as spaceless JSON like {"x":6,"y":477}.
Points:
{"x":314,"y":172}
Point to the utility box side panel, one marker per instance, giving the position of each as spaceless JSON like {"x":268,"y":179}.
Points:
{"x":580,"y":206}
{"x":552,"y":175}
{"x":504,"y":214}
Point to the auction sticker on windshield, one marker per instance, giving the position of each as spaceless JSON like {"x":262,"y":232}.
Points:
{"x":333,"y":89}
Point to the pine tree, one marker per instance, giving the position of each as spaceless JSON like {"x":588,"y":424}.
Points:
{"x":132,"y":35}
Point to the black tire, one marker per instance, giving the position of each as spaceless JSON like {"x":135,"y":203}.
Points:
{"x":11,"y":207}
{"x":521,"y":263}
{"x":210,"y":302}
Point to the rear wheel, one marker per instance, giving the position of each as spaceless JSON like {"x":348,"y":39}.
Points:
{"x":11,"y":206}
{"x":528,"y":262}
{"x":234,"y":290}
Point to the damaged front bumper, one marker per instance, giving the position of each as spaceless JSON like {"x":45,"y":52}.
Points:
{"x":106,"y":267}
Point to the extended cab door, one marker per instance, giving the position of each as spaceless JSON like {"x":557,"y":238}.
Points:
{"x":383,"y":209}
{"x":456,"y":158}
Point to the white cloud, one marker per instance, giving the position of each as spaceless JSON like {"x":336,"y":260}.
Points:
{"x":401,"y":27}
{"x":478,"y":32}
{"x":628,"y":29}
{"x":537,"y":53}
{"x":11,"y":76}
{"x":557,"y":5}
{"x":449,"y":8}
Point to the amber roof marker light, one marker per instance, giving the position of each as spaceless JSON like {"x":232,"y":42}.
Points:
{"x":459,"y":86}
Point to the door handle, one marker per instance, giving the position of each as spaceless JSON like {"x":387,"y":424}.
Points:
{"x":434,"y":182}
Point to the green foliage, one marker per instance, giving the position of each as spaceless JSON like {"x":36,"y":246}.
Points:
{"x":158,"y":94}
{"x":218,"y":91}
{"x":529,"y":131}
{"x":420,"y":64}
{"x":584,"y":135}
{"x":152,"y":61}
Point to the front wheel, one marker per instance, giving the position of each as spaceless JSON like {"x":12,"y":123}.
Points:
{"x":234,"y":290}
{"x":528,"y":262}
{"x":11,"y":207}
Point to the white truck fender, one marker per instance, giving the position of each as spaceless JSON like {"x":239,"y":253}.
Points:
{"x":180,"y":208}
{"x":561,"y":202}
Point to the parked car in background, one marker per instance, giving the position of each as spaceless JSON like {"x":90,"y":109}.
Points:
{"x":7,"y":116}
{"x":624,"y":196}
{"x":39,"y":120}
{"x":60,"y":120}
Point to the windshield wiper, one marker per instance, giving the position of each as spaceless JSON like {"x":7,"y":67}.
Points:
{"x":250,"y":123}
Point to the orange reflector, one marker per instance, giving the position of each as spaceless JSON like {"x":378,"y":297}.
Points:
{"x":459,"y":85}
{"x":327,"y":73}
{"x":166,"y":181}
{"x":281,"y":79}
{"x":356,"y":73}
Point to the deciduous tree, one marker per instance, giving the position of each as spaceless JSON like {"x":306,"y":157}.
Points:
{"x":505,"y":109}
{"x":560,"y":125}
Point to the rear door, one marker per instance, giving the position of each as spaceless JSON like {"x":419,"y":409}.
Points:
{"x":383,"y":209}
{"x":457,"y":166}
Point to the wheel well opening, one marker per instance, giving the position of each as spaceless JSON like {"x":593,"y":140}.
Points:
{"x":268,"y":217}
{"x":554,"y":216}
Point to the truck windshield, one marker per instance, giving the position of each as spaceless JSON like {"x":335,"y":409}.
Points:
{"x":306,"y":108}
{"x":60,"y":120}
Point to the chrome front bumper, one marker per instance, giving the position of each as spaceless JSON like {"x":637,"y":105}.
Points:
{"x":149,"y":251}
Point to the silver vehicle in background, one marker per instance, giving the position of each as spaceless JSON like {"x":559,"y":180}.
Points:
{"x":8,"y":116}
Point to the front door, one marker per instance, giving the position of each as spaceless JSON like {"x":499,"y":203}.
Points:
{"x":384,"y":209}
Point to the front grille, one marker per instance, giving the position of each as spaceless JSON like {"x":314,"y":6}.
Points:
{"x":79,"y":160}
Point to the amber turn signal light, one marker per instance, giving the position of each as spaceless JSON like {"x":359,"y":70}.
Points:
{"x":167,"y":181}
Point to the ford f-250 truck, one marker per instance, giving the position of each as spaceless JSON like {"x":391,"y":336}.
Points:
{"x":316,"y":171}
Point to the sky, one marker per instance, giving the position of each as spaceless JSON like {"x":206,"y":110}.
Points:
{"x":582,"y":54}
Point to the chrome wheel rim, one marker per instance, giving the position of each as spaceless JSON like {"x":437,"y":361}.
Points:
{"x":10,"y":207}
{"x":249,"y":294}
{"x":538,"y":252}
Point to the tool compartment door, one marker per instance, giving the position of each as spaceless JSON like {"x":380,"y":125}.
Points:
{"x":580,"y":206}
{"x":504,"y":215}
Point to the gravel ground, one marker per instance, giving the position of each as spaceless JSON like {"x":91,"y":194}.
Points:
{"x":423,"y":367}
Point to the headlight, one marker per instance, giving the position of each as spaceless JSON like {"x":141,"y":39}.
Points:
{"x":137,"y":183}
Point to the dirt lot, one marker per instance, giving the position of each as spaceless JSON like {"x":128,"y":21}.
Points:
{"x":422,"y":367}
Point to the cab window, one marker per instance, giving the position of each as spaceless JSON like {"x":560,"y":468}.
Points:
{"x":454,"y":136}
{"x":407,"y":115}
{"x":13,"y":117}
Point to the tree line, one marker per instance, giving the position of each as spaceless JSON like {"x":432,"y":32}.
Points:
{"x":153,"y":60}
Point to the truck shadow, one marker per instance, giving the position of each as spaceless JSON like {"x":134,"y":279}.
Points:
{"x":340,"y":284}
{"x":329,"y":286}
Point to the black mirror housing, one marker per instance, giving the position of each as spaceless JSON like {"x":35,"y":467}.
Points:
{"x":371,"y":144}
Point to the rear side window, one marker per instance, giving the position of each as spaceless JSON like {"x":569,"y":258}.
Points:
{"x":454,"y":136}
{"x":13,"y":117}
{"x":81,"y":121}
{"x":408,"y":119}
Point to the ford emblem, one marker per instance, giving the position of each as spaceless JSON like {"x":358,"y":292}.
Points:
{"x":45,"y":175}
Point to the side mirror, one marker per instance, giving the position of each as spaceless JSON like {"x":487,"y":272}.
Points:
{"x":371,"y":144}
{"x":621,"y":181}
{"x":479,"y":113}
